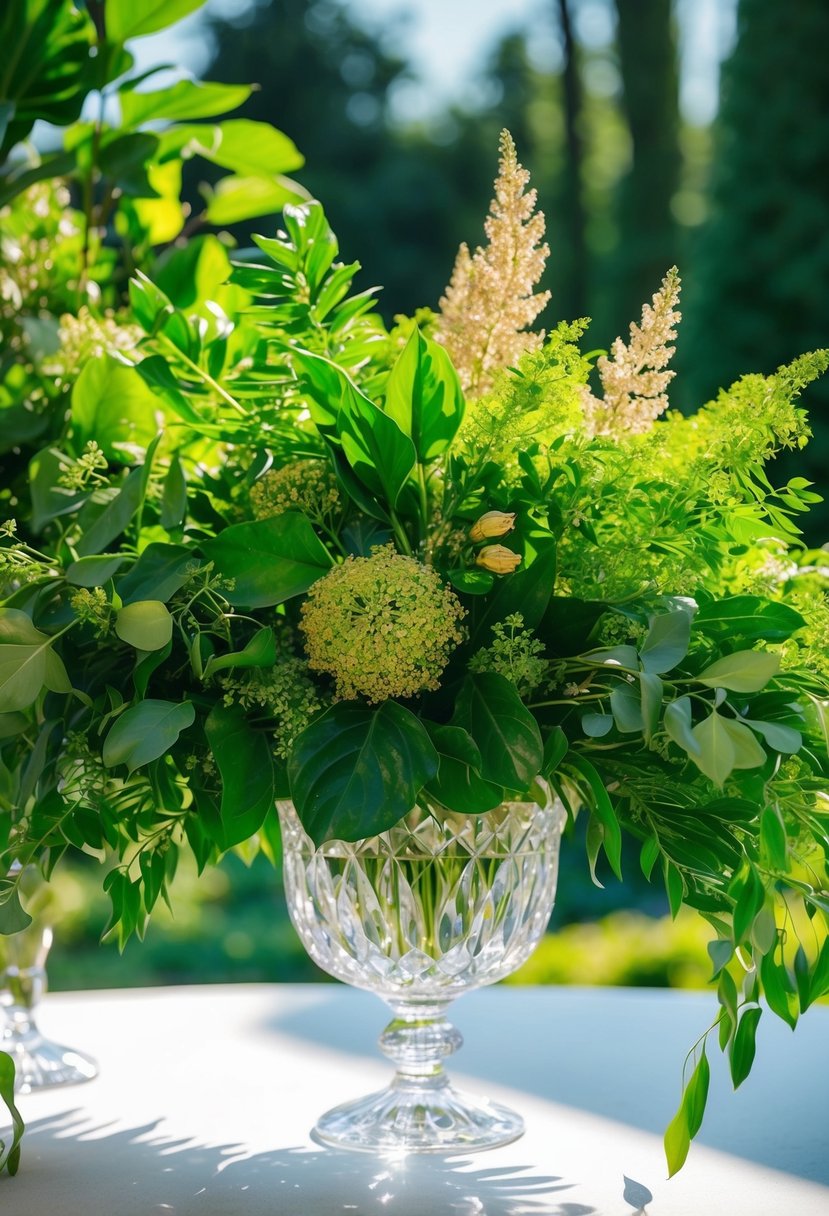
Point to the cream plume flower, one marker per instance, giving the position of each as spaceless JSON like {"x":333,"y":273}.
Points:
{"x":489,"y":303}
{"x":634,"y":378}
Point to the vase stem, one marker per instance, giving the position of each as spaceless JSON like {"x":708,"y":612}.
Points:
{"x":418,"y":1039}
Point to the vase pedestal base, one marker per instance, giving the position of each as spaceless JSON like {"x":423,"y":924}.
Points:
{"x":419,"y":1118}
{"x":41,"y":1064}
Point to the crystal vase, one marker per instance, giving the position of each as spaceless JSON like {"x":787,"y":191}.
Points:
{"x":38,"y":1062}
{"x":440,"y":904}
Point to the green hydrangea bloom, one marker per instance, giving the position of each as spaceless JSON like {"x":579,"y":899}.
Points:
{"x":382,"y":626}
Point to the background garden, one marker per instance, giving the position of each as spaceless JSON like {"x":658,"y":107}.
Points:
{"x":646,"y":151}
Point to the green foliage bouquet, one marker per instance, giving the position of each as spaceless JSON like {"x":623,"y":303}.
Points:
{"x":266,"y":548}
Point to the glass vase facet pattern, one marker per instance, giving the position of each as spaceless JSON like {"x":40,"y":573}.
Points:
{"x":440,"y":904}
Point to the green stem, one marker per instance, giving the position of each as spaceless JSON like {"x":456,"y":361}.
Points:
{"x":402,"y":538}
{"x":204,"y":376}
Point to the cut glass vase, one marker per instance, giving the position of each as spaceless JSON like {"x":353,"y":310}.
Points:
{"x":440,"y":904}
{"x":38,"y":1062}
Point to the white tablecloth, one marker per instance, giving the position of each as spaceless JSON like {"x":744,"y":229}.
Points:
{"x":206,"y":1096}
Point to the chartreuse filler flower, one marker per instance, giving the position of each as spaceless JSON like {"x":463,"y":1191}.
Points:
{"x":371,"y":570}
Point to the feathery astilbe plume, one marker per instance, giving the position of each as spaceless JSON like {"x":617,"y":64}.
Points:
{"x":634,"y":377}
{"x":489,"y":303}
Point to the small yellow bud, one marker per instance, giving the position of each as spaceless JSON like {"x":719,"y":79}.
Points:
{"x":498,"y":558}
{"x":494,"y":523}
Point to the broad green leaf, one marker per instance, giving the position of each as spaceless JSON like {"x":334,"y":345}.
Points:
{"x":748,"y":616}
{"x":46,"y":65}
{"x":458,"y":784}
{"x":472,"y":582}
{"x":243,"y":757}
{"x":13,"y":916}
{"x":269,"y":561}
{"x":667,"y":641}
{"x":12,"y":724}
{"x":182,"y":100}
{"x":679,"y":725}
{"x":743,"y":1046}
{"x":652,"y":692}
{"x":377,"y":450}
{"x":162,"y":217}
{"x":235,"y":199}
{"x":616,"y":656}
{"x":355,"y":771}
{"x":27,"y":662}
{"x":528,"y":591}
{"x":773,"y":837}
{"x":555,"y":749}
{"x":149,"y":305}
{"x":93,"y":571}
{"x":750,"y":894}
{"x":174,"y":496}
{"x":145,"y":732}
{"x":802,"y":979}
{"x":119,"y":512}
{"x":49,"y":498}
{"x":721,"y":953}
{"x":247,"y":148}
{"x":779,"y":990}
{"x":10,"y":1153}
{"x":743,"y":671}
{"x":191,"y":274}
{"x":602,"y":808}
{"x":160,"y":571}
{"x":688,"y":1119}
{"x":259,"y":652}
{"x":113,"y":406}
{"x":747,"y":751}
{"x":424,"y":396}
{"x":134,"y":18}
{"x":505,"y":731}
{"x":144,"y":624}
{"x":782,"y":738}
{"x":596,"y":725}
{"x":626,"y":704}
{"x":716,"y":755}
{"x":820,"y":972}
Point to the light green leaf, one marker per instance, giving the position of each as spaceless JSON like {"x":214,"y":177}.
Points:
{"x":134,"y":18}
{"x":743,"y":671}
{"x":626,"y":704}
{"x":505,"y":731}
{"x":747,"y":751}
{"x":10,"y":1153}
{"x":688,"y":1119}
{"x":250,"y":149}
{"x":652,"y":692}
{"x":716,"y":755}
{"x":270,"y":560}
{"x":779,"y":990}
{"x":596,"y":725}
{"x":424,"y":396}
{"x":182,"y":100}
{"x":667,"y":641}
{"x":191,"y":274}
{"x":243,"y":757}
{"x":160,"y":571}
{"x":145,"y":624}
{"x":145,"y":732}
{"x":113,"y":406}
{"x":782,"y":738}
{"x":117,"y":514}
{"x":678,"y":725}
{"x":748,"y":616}
{"x":27,"y":662}
{"x":355,"y":771}
{"x":743,"y":1046}
{"x":174,"y":496}
{"x":13,"y":916}
{"x":235,"y":198}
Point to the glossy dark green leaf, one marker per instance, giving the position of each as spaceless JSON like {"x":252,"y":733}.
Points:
{"x":596,"y":725}
{"x":120,"y":511}
{"x":174,"y":496}
{"x":779,"y":990}
{"x":679,"y":725}
{"x":599,"y":802}
{"x":93,"y":571}
{"x":528,"y":591}
{"x":505,"y":731}
{"x":355,"y":771}
{"x":145,"y":732}
{"x":269,"y":561}
{"x":424,"y":396}
{"x":160,"y":571}
{"x":28,"y":664}
{"x":750,"y":895}
{"x":13,"y":917}
{"x":144,"y":624}
{"x":243,"y":757}
{"x":743,"y":1047}
{"x":749,"y":617}
{"x":555,"y":749}
{"x":626,"y":704}
{"x":458,"y":784}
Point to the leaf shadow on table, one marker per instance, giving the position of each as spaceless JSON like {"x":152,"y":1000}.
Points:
{"x":625,"y":1068}
{"x":72,"y":1160}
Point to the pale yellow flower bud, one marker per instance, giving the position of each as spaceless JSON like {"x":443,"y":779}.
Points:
{"x":494,"y":523}
{"x":498,"y":558}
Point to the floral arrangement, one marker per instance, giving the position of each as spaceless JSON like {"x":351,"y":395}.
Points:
{"x":266,"y":548}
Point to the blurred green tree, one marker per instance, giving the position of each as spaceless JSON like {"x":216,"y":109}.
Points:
{"x":758,"y":291}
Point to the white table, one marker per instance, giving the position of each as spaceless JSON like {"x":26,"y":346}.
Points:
{"x":206,"y":1096}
